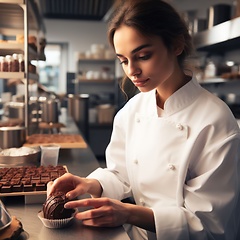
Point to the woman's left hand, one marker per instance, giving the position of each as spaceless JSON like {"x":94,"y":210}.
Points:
{"x":105,"y":212}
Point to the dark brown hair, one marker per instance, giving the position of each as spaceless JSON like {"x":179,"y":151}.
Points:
{"x":152,"y":17}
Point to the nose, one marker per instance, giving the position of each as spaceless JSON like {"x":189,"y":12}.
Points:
{"x":133,"y":70}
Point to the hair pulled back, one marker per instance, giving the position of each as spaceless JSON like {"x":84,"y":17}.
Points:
{"x":152,"y":17}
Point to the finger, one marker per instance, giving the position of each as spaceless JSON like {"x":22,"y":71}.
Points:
{"x":99,"y":222}
{"x":49,"y":187}
{"x":72,"y":194}
{"x":98,"y":219}
{"x":59,"y":183}
{"x":92,"y":214}
{"x":91,"y":202}
{"x":75,"y":204}
{"x":88,"y":202}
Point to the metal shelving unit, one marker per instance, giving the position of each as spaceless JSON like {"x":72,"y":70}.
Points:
{"x":20,"y":17}
{"x":220,"y":38}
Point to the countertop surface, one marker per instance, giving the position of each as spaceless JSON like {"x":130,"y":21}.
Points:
{"x":81,"y":162}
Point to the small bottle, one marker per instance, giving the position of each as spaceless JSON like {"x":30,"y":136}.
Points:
{"x":15,"y":63}
{"x":210,"y":70}
{"x":4,"y":65}
{"x":21,"y":63}
{"x":9,"y":62}
{"x":1,"y":63}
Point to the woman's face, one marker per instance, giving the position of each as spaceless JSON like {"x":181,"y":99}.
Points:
{"x":145,"y":60}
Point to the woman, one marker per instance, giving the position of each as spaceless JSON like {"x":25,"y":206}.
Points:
{"x":174,"y":146}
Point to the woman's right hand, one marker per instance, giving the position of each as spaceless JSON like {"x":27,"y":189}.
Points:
{"x":74,"y":186}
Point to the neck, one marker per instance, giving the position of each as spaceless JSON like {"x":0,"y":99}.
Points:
{"x":164,"y":92}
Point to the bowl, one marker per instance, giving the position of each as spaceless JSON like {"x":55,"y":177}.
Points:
{"x":23,"y":156}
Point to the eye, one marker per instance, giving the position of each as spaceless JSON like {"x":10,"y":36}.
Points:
{"x":144,"y":57}
{"x":123,"y":62}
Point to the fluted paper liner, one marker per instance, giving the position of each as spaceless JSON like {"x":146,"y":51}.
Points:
{"x":56,"y":223}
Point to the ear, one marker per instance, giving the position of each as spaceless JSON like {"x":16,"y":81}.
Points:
{"x":179,"y":45}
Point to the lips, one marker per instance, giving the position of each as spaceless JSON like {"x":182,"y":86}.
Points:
{"x":140,"y":82}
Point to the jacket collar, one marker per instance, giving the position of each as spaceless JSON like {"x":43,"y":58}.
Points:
{"x":180,"y":99}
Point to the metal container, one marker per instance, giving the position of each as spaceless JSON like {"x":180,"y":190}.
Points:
{"x":105,"y":113}
{"x":31,"y":159}
{"x":81,"y":106}
{"x":50,"y":111}
{"x":16,"y":110}
{"x":12,"y":137}
{"x":71,"y":105}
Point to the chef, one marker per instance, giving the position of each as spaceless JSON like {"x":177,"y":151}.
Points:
{"x":174,"y":146}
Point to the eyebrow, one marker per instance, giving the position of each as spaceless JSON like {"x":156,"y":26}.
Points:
{"x":136,"y":49}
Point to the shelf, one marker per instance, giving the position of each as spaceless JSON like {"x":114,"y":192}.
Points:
{"x":11,"y":46}
{"x":101,"y":125}
{"x":18,"y":75}
{"x":219,"y":80}
{"x":12,"y":75}
{"x":15,"y":47}
{"x":97,"y":60}
{"x":84,"y":80}
{"x":12,"y":1}
{"x":213,"y":80}
{"x":222,"y":37}
{"x":11,"y":15}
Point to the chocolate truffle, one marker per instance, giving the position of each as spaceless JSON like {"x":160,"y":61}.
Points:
{"x":53,"y":208}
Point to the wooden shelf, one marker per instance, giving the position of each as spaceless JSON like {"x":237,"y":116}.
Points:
{"x":12,"y":75}
{"x":12,"y":1}
{"x":18,"y":75}
{"x":9,"y":48}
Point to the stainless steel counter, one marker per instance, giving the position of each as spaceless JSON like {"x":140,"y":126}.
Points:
{"x":80,"y":161}
{"x":35,"y":230}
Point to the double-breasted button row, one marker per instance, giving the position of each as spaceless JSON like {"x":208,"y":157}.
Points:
{"x":135,"y":161}
{"x":179,"y":126}
{"x":142,"y":202}
{"x":171,"y":166}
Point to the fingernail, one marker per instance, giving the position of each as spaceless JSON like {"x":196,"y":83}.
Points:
{"x":68,"y":195}
{"x":65,"y":205}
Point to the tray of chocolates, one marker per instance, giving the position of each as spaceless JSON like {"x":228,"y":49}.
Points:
{"x":64,"y":140}
{"x":28,"y":180}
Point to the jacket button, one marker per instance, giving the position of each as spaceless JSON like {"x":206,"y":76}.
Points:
{"x":138,"y":120}
{"x":135,"y":161}
{"x":179,"y":126}
{"x":142,"y":202}
{"x":171,"y":167}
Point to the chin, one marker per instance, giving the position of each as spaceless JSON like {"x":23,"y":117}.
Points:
{"x":145,"y":89}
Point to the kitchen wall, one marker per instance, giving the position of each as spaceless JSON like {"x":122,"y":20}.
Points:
{"x":79,"y":35}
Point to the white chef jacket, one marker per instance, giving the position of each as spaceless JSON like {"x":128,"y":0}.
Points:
{"x":183,"y":165}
